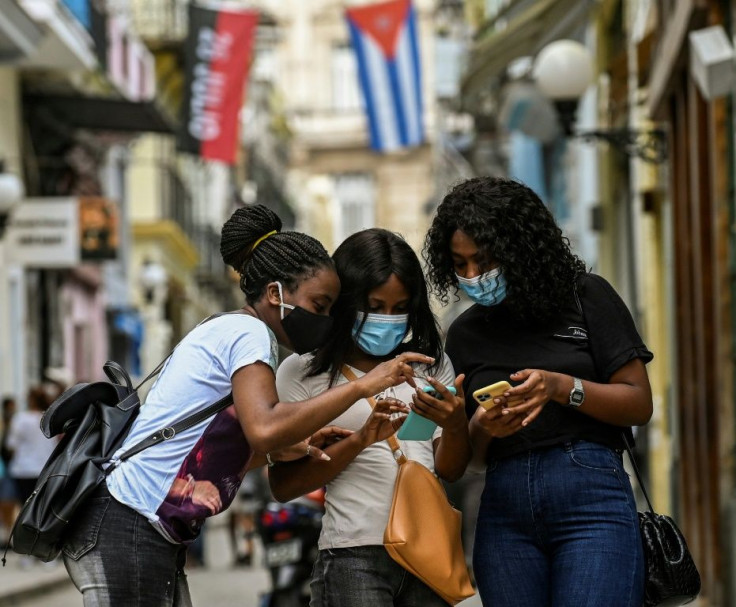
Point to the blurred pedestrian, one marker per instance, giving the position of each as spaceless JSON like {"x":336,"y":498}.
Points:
{"x":31,"y":449}
{"x":8,"y":494}
{"x":557,"y":522}
{"x":153,"y":505}
{"x":383,"y":310}
{"x":252,"y":496}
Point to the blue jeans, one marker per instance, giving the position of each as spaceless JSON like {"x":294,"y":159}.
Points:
{"x":116,"y":558}
{"x":366,"y":576}
{"x":558,"y":527}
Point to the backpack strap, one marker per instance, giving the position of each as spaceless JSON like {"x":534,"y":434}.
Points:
{"x":170,"y":432}
{"x":113,"y":372}
{"x":392,"y":441}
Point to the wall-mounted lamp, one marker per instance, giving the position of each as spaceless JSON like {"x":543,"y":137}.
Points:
{"x":563,"y":70}
{"x":11,"y":193}
{"x":153,"y":279}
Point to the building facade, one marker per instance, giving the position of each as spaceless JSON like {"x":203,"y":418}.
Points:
{"x":335,"y":182}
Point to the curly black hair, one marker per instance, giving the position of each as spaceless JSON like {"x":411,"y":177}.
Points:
{"x":253,"y":244}
{"x":511,"y":226}
{"x":365,"y":261}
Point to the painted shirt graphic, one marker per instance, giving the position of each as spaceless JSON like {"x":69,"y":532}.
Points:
{"x":208,"y":478}
{"x":178,"y":483}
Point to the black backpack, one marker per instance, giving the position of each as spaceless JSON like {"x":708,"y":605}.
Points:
{"x":95,"y":419}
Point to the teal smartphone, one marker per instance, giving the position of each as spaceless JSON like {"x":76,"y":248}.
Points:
{"x":416,"y":427}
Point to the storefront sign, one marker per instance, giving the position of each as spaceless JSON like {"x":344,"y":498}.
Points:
{"x":98,"y":228}
{"x":62,"y":232}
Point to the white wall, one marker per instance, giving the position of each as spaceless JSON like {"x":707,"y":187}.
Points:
{"x":13,"y":380}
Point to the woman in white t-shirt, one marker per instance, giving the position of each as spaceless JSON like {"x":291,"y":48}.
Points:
{"x":383,"y":310}
{"x":127,"y":544}
{"x":30,"y":447}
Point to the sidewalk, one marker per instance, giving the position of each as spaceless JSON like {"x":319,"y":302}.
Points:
{"x":21,"y":579}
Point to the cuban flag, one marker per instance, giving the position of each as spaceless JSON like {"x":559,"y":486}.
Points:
{"x":386,"y":45}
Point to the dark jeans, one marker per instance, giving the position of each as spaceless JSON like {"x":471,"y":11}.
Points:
{"x":558,"y":527}
{"x":117,"y":559}
{"x":366,"y":576}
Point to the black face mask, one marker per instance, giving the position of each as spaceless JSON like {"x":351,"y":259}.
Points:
{"x":306,"y":330}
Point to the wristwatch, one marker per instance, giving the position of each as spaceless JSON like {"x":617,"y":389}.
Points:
{"x":577,"y":394}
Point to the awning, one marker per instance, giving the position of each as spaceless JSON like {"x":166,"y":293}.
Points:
{"x":19,"y":35}
{"x":104,"y":114}
{"x":526,"y":34}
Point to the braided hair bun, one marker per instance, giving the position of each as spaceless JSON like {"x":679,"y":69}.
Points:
{"x":287,"y":257}
{"x":243,"y":229}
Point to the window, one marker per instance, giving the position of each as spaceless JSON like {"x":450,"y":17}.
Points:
{"x":345,"y":87}
{"x":355,"y":195}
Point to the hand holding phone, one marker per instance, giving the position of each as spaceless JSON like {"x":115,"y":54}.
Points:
{"x":416,"y":427}
{"x":434,"y":394}
{"x":484,"y":396}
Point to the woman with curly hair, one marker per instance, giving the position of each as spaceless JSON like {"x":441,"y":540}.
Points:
{"x":557,"y":510}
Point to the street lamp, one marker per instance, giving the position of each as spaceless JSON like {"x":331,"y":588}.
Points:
{"x":563,"y":70}
{"x":153,"y":279}
{"x":11,"y":193}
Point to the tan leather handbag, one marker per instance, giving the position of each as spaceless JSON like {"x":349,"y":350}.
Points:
{"x":423,"y":533}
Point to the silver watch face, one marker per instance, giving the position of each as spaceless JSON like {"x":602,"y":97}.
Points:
{"x":577,"y":394}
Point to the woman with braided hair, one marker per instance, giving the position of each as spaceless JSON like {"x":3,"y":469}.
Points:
{"x":153,"y":504}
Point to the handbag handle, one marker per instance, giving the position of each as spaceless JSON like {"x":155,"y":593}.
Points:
{"x":392,"y":441}
{"x":636,"y":471}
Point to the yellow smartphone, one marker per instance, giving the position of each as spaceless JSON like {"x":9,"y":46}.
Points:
{"x":484,"y":396}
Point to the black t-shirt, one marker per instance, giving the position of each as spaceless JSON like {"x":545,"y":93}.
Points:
{"x":488,"y":344}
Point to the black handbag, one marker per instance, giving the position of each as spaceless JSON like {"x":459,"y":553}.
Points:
{"x":95,"y":419}
{"x":671,"y":575}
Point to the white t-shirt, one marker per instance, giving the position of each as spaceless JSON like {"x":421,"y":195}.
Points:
{"x":358,"y":500}
{"x":30,"y":447}
{"x":158,"y":481}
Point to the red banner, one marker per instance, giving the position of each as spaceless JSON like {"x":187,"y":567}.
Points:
{"x":217,"y":57}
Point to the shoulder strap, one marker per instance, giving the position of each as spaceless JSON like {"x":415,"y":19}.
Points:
{"x":160,"y":365}
{"x":392,"y":441}
{"x":636,"y":471}
{"x":623,"y":434}
{"x":170,"y":432}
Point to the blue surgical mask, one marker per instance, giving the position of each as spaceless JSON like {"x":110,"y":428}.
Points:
{"x":488,"y":289}
{"x":380,"y":334}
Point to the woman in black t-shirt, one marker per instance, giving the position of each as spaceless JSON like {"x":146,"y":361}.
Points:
{"x":557,"y":524}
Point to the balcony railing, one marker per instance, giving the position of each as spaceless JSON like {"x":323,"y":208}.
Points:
{"x":176,"y":202}
{"x":211,"y":269}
